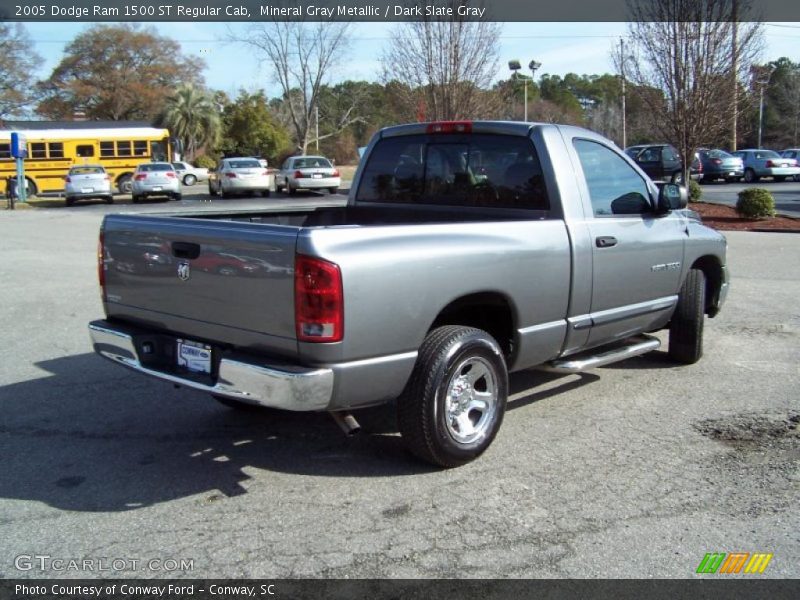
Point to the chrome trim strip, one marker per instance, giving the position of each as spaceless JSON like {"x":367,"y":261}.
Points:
{"x":541,"y":327}
{"x":633,"y":310}
{"x":286,"y":388}
{"x":580,"y":322}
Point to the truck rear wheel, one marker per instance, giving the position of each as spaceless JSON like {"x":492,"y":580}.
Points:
{"x":686,"y":327}
{"x":453,"y":405}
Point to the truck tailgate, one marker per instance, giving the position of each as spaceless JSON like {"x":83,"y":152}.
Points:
{"x":222,"y":281}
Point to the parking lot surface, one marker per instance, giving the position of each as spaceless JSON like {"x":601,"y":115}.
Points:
{"x":633,"y":470}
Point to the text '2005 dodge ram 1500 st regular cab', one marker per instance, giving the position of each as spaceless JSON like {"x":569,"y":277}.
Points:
{"x":467,"y":250}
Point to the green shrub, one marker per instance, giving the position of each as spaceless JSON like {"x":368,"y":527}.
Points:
{"x":205,"y":162}
{"x":755,"y":203}
{"x":695,"y":191}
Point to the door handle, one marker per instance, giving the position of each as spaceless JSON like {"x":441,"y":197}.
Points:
{"x":605,"y":241}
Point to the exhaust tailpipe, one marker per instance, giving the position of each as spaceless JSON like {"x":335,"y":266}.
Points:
{"x":347,"y":422}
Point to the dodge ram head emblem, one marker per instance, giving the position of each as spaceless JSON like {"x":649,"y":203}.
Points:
{"x":184,"y":271}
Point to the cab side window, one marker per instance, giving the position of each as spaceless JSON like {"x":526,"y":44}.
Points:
{"x":615,"y":188}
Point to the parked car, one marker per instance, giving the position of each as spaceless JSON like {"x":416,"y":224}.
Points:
{"x":308,"y":173}
{"x":766,"y":163}
{"x":429,"y":287}
{"x":718,"y":164}
{"x":792,"y":153}
{"x":155,"y":179}
{"x":189,"y":174}
{"x":87,"y":181}
{"x":240,"y":175}
{"x":662,"y":162}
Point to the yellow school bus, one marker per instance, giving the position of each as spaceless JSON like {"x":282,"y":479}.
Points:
{"x":55,"y":146}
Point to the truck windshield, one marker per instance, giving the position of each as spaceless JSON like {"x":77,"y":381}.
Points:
{"x":470,"y":170}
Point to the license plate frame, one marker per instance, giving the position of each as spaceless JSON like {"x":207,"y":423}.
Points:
{"x":193,"y":356}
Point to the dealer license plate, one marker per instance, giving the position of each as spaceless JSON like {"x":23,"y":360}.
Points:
{"x":194,"y":356}
{"x":156,"y":188}
{"x":87,"y":190}
{"x":316,"y":175}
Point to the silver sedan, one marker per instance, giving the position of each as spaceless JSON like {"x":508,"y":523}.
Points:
{"x":87,"y":181}
{"x":308,"y":173}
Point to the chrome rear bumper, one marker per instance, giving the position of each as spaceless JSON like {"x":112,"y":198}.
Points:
{"x":277,"y":386}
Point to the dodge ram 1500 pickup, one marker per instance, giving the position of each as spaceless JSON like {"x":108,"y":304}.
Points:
{"x":466,"y":250}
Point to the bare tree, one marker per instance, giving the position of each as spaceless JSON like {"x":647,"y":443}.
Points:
{"x":684,"y":49}
{"x":302,"y":56}
{"x":18,"y":64}
{"x":447,"y":67}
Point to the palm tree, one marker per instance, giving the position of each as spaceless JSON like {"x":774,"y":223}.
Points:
{"x":191,"y":116}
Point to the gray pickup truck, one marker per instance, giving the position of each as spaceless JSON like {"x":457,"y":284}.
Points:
{"x":467,"y":250}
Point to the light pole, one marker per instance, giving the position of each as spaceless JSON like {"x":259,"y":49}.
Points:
{"x":762,"y":79}
{"x":515,"y":66}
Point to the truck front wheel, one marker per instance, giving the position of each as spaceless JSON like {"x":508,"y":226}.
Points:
{"x":454,"y":403}
{"x":686,"y":327}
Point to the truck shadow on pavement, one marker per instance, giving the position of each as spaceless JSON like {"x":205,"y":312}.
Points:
{"x":87,"y":436}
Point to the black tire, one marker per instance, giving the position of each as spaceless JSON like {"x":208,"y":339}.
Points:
{"x":177,"y":197}
{"x":136,"y":199}
{"x":125,"y":184}
{"x":750,"y":176}
{"x":426,"y":411}
{"x":686,"y":327}
{"x":189,"y":180}
{"x":224,"y":194}
{"x":333,"y":190}
{"x":780,"y":178}
{"x":109,"y":199}
{"x":265,"y":193}
{"x":69,"y":200}
{"x":292,"y":191}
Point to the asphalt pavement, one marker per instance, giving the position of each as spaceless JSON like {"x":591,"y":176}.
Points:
{"x":633,"y":470}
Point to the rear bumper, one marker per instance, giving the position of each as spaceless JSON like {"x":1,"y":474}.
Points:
{"x":309,"y":183}
{"x":285,"y":387}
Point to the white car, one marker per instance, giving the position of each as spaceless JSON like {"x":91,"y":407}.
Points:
{"x":190,"y":174}
{"x":308,"y":173}
{"x":87,"y":181}
{"x":155,"y":179}
{"x":238,"y":176}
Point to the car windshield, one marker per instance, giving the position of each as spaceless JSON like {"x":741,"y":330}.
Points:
{"x":244,"y":164}
{"x":311,"y":162}
{"x":156,"y":167}
{"x":86,"y":170}
{"x":718,"y":154}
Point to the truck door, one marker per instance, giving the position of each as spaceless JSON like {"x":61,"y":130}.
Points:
{"x":636,"y":254}
{"x":649,"y":161}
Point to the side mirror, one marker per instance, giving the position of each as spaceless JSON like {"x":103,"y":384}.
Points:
{"x":672,"y":196}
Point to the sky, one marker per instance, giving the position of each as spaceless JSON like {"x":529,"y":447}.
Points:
{"x":561,"y":48}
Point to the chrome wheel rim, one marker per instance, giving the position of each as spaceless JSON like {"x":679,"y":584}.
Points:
{"x":471,"y":401}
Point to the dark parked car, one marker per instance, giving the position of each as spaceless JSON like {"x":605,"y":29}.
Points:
{"x":718,"y":164}
{"x":662,"y":162}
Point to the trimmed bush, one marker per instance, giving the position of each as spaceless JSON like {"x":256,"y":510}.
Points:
{"x":205,"y":162}
{"x":755,"y":203}
{"x":695,"y":191}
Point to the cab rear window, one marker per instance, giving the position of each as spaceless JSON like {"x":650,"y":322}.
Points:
{"x":478,"y":170}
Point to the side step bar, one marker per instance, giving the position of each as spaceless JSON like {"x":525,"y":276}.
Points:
{"x":576,"y":364}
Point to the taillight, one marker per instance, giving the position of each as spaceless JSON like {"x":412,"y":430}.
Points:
{"x":318,"y":300}
{"x":67,"y":179}
{"x":101,"y":265}
{"x":265,"y":172}
{"x":230,"y":174}
{"x":450,"y":127}
{"x":769,"y":164}
{"x":717,"y":161}
{"x":335,"y":173}
{"x":171,"y":174}
{"x":141,"y":176}
{"x":298,"y":175}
